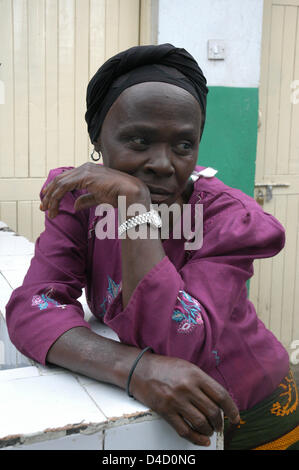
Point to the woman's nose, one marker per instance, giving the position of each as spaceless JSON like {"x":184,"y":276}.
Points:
{"x":159,"y":162}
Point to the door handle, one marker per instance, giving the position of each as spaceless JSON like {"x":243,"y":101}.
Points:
{"x":265,"y":191}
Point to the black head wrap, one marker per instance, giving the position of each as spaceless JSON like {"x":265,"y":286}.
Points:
{"x":161,"y":63}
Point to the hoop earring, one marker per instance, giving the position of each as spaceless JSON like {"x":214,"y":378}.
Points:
{"x":95,"y":159}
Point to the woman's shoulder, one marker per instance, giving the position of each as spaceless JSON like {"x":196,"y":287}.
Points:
{"x":234,"y":220}
{"x":53,"y":172}
{"x":213,"y":192}
{"x":66,"y":204}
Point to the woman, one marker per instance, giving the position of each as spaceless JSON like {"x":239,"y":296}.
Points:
{"x":209,"y":351}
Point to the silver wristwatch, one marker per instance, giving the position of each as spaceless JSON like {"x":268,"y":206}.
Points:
{"x":152,"y":217}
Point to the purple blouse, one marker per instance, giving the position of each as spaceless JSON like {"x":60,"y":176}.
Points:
{"x":191,"y":305}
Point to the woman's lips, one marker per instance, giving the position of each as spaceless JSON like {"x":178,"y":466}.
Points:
{"x":158,"y":190}
{"x":157,"y":197}
{"x":158,"y":193}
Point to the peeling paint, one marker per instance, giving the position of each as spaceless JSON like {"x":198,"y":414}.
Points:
{"x":10,"y":440}
{"x":94,"y":428}
{"x":68,"y":428}
{"x":131,"y":417}
{"x":51,"y":434}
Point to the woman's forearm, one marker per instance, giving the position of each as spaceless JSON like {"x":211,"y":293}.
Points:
{"x":139,"y":255}
{"x":138,"y":258}
{"x":85,"y":352}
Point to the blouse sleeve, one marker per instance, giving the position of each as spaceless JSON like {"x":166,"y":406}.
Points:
{"x":45,"y":305}
{"x":183,"y":313}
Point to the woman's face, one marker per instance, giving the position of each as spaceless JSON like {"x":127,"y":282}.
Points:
{"x":152,"y":131}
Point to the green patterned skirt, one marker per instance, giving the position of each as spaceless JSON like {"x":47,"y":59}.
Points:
{"x":272,"y":424}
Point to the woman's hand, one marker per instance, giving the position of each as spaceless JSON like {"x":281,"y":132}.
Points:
{"x":104,"y":185}
{"x":185,"y":396}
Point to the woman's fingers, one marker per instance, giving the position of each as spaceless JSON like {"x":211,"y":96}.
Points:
{"x":197,"y":420}
{"x":82,"y":177}
{"x":212,"y":412}
{"x":221,"y":397}
{"x":63,"y":177}
{"x":55,"y":191}
{"x":84,"y":202}
{"x":184,"y":430}
{"x":199,"y":412}
{"x":52,"y":200}
{"x":104,"y":185}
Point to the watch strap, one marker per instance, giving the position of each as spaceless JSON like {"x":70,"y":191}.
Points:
{"x":151,"y":217}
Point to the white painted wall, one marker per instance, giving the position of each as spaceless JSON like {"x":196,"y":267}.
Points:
{"x":191,"y":23}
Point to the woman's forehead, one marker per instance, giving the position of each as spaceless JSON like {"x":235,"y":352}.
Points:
{"x":149,"y":100}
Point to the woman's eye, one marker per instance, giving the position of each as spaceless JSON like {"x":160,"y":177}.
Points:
{"x":184,"y":146}
{"x":138,"y":141}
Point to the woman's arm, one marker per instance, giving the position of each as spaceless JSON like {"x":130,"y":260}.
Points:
{"x":138,"y":255}
{"x":85,"y":352}
{"x":178,"y":391}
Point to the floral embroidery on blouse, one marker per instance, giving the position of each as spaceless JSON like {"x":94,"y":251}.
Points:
{"x":44,"y":300}
{"x":216,"y":356}
{"x":187,"y":312}
{"x":112,"y":290}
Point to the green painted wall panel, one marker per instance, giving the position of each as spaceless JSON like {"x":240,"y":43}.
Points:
{"x":229,"y":140}
{"x":230,"y":136}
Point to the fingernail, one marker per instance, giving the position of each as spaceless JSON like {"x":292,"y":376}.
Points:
{"x":206,"y":443}
{"x":237,"y":420}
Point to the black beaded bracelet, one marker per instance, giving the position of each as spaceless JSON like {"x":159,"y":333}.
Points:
{"x":133,"y":368}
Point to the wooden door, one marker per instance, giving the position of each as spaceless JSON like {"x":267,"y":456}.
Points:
{"x":274,"y":288}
